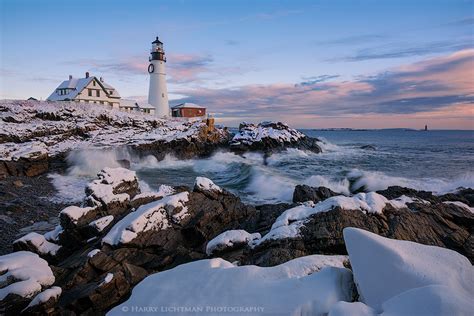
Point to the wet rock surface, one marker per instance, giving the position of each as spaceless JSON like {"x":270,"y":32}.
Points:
{"x":305,"y":193}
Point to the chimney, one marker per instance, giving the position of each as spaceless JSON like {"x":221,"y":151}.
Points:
{"x":70,"y":77}
{"x":101,"y":79}
{"x":87,"y":74}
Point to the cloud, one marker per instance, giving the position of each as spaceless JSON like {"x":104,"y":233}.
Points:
{"x":188,"y":68}
{"x":400,"y":50}
{"x":463,"y":22}
{"x":353,"y":40}
{"x":183,"y":68}
{"x":232,"y":42}
{"x":308,"y":81}
{"x":433,"y":85}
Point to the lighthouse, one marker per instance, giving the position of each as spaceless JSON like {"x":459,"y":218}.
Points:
{"x":157,"y":93}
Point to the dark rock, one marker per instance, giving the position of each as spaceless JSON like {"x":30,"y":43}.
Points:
{"x":394,"y":192}
{"x":305,"y":193}
{"x":266,"y":216}
{"x":465,"y":196}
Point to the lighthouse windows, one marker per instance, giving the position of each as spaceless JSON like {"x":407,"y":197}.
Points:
{"x":162,"y":95}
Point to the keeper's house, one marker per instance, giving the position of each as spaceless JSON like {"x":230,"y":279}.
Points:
{"x":188,"y":110}
{"x":87,"y":90}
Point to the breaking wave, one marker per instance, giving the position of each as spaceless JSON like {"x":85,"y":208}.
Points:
{"x":345,"y":169}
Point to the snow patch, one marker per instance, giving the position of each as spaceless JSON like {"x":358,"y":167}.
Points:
{"x":93,"y":252}
{"x":30,"y":272}
{"x":53,"y":292}
{"x":151,"y":216}
{"x":230,"y":238}
{"x":108,"y":278}
{"x":75,"y":212}
{"x":43,"y":246}
{"x":461,"y":204}
{"x":101,"y":223}
{"x":206,"y":184}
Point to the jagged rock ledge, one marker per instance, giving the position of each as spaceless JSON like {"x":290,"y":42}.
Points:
{"x":119,"y":235}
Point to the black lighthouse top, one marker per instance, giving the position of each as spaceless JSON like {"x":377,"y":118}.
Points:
{"x":157,"y":51}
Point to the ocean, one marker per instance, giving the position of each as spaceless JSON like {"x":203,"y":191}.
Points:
{"x":439,"y":161}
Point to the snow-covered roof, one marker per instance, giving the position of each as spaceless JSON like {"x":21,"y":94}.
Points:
{"x":126,"y":103}
{"x":76,"y":85}
{"x":145,"y":105}
{"x":188,"y":106}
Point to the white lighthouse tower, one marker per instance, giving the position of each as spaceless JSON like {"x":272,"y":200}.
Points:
{"x":157,"y":93}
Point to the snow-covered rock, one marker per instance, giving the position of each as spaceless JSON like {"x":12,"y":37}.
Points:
{"x":74,"y":213}
{"x":37,"y":243}
{"x":205,"y":184}
{"x":152,"y":216}
{"x":219,"y":287}
{"x":52,"y":293}
{"x":229,"y":239}
{"x":351,"y":309}
{"x":461,"y":204}
{"x":112,"y":185}
{"x":269,"y":137}
{"x":396,"y":276}
{"x":29,"y":273}
{"x":289,"y":223}
{"x":101,"y":223}
{"x":250,"y":133}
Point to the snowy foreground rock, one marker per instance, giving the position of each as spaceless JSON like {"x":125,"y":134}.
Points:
{"x":393,"y":278}
{"x":396,"y":277}
{"x":217,"y":286}
{"x":243,"y":255}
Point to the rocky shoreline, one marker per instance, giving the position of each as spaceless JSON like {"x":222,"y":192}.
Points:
{"x":120,"y":234}
{"x":120,"y":231}
{"x":36,"y":136}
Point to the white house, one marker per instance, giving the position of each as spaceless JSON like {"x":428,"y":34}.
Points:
{"x":133,"y":106}
{"x":87,"y":90}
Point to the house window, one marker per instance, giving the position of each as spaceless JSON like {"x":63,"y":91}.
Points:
{"x":101,"y":102}
{"x":97,"y":93}
{"x":93,"y":83}
{"x":89,"y":92}
{"x":111,"y":92}
{"x":87,"y":101}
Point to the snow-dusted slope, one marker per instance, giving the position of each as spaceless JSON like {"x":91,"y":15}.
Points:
{"x":32,"y":127}
{"x":217,"y":287}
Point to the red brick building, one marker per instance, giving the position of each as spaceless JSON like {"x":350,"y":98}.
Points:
{"x":188,"y":110}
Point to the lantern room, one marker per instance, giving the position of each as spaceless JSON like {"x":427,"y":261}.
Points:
{"x":157,"y":51}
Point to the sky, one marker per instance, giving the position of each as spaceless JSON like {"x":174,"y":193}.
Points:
{"x":312,"y":64}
